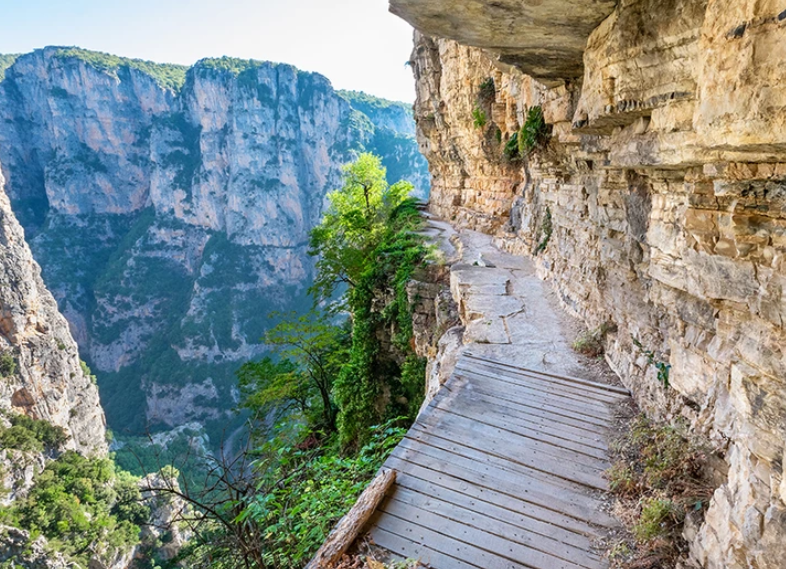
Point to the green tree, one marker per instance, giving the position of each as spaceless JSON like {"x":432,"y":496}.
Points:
{"x":368,"y":244}
{"x":312,"y":350}
{"x":353,"y":225}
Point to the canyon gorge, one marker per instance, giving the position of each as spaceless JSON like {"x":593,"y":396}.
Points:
{"x":633,"y":151}
{"x":170,"y":210}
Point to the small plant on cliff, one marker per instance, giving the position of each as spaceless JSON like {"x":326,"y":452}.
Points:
{"x":511,"y":150}
{"x":479,"y":118}
{"x":590,"y":342}
{"x":533,"y":133}
{"x":546,"y":229}
{"x":7,"y":364}
{"x":487,"y":91}
{"x":662,"y":367}
{"x":659,"y":477}
{"x":658,"y":518}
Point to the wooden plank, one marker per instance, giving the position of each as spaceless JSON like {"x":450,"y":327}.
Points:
{"x":595,"y":424}
{"x":501,"y":471}
{"x":545,"y":381}
{"x":476,"y":545}
{"x":571,"y":473}
{"x":437,"y":446}
{"x":540,"y":383}
{"x":549,"y":550}
{"x":508,"y":443}
{"x":444,"y":544}
{"x":601,"y":386}
{"x":348,"y":528}
{"x":521,"y":418}
{"x":493,"y":504}
{"x":549,"y":497}
{"x":542,"y":433}
{"x":468,"y":485}
{"x":405,"y":547}
{"x":524,"y":411}
{"x":599,"y":412}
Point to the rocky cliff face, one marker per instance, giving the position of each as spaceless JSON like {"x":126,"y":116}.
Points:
{"x":45,"y":380}
{"x":659,"y":206}
{"x":170,"y":223}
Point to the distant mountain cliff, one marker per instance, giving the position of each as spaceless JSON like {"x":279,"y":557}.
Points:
{"x":170,"y":209}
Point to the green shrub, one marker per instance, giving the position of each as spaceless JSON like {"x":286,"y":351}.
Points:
{"x":32,"y":435}
{"x":487,"y":90}
{"x":591,"y":342}
{"x":479,"y":118}
{"x":7,"y":364}
{"x":658,"y":517}
{"x":660,"y":476}
{"x":511,"y":151}
{"x":309,"y":491}
{"x":533,"y":133}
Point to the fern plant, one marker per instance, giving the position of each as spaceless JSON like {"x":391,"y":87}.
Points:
{"x":534,"y":131}
{"x":511,"y":150}
{"x":479,"y":117}
{"x":487,"y":90}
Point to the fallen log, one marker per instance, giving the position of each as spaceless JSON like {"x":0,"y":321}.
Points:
{"x":350,"y":526}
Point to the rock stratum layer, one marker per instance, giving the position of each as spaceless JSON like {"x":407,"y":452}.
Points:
{"x":171,"y":219}
{"x":658,"y":206}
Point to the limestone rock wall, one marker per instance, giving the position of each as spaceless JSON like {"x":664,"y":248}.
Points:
{"x":48,"y":382}
{"x":659,"y":205}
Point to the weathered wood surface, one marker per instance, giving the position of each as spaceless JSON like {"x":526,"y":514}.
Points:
{"x":503,"y":470}
{"x":347,"y":530}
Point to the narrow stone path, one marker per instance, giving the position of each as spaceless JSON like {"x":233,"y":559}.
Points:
{"x":504,"y":467}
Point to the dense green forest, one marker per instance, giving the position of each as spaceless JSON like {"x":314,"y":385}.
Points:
{"x":86,"y":508}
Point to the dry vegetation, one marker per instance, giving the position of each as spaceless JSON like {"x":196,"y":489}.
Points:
{"x":369,"y":556}
{"x":659,"y":477}
{"x":591,"y":343}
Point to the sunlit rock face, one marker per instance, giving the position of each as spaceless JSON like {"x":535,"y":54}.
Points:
{"x":47,"y":381}
{"x":169,"y":225}
{"x":659,"y":206}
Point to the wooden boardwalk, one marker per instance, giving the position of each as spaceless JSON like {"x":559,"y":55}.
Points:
{"x":503,"y":470}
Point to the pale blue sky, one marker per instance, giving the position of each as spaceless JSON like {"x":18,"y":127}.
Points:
{"x":357,"y":44}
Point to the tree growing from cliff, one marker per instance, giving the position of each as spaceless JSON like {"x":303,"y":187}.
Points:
{"x":353,"y":225}
{"x":368,"y":242}
{"x":312,"y":350}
